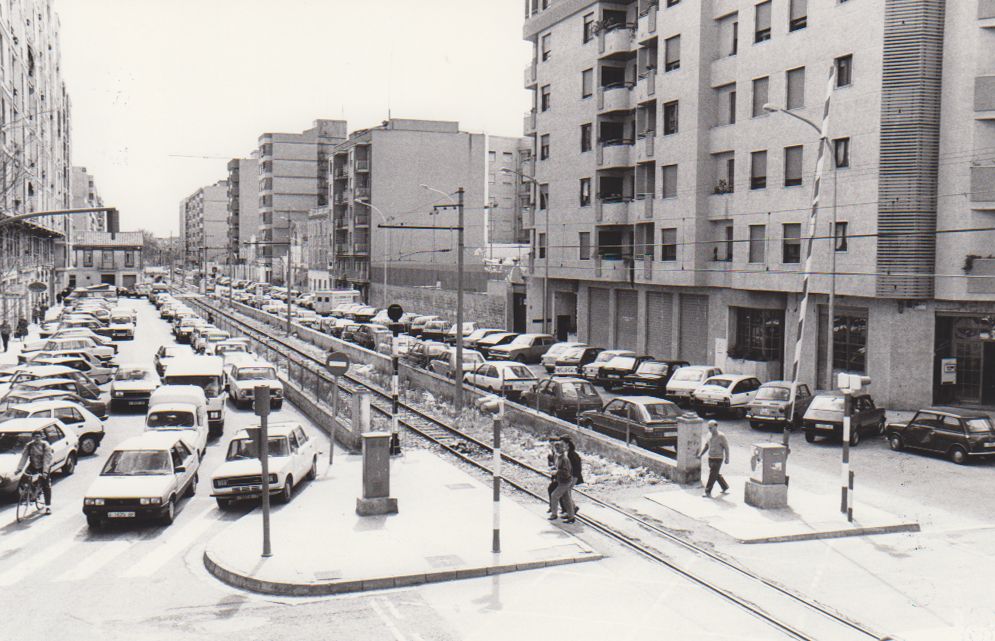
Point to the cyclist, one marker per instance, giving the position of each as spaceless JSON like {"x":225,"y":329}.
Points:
{"x":37,"y":459}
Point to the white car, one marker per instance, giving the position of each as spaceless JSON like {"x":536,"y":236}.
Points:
{"x":725,"y":393}
{"x":232,"y":348}
{"x":590,"y":371}
{"x":207,"y":340}
{"x":181,"y":409}
{"x":133,"y":386}
{"x":293,"y":457}
{"x":88,"y":428}
{"x":502,"y":377}
{"x":243,"y":375}
{"x":687,"y":379}
{"x":15,"y":434}
{"x":555,"y":351}
{"x":144,"y":477}
{"x":101,"y":351}
{"x":121,"y":327}
{"x":275,"y":307}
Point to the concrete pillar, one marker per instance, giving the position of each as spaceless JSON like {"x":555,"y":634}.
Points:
{"x":376,"y":476}
{"x":360,"y":414}
{"x":690,"y":428}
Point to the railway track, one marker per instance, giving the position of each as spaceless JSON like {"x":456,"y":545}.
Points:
{"x":794,"y":615}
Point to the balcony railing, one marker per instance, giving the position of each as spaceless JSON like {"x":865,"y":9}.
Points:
{"x":362,"y":192}
{"x":529,"y":124}
{"x":530,"y":75}
{"x":362,"y":164}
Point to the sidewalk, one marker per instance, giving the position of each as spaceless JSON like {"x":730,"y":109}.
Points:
{"x":442,"y":532}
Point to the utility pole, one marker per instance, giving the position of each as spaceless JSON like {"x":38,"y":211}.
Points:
{"x":459,"y":300}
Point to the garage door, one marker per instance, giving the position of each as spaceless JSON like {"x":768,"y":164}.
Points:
{"x":626,"y":308}
{"x":659,"y":324}
{"x":597,"y":317}
{"x":694,"y":328}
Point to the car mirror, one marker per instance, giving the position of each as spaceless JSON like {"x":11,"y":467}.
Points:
{"x":180,"y":469}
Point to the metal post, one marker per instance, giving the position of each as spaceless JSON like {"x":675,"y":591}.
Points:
{"x":262,"y":403}
{"x":395,"y":434}
{"x":846,"y":502}
{"x":459,"y":302}
{"x":288,"y":284}
{"x":335,"y":419}
{"x":545,"y":278}
{"x":496,"y":473}
{"x":830,"y":350}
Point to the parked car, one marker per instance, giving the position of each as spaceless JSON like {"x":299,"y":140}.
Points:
{"x":524,"y":348}
{"x":445,"y":364}
{"x":369,"y":336}
{"x":207,"y":340}
{"x":435,"y":330}
{"x":572,"y":361}
{"x":243,"y":376}
{"x":18,"y":397}
{"x":824,"y":417}
{"x":351,"y":332}
{"x":293,"y":457}
{"x":60,"y":384}
{"x":16,"y":433}
{"x":468,"y":328}
{"x":651,"y":377}
{"x":612,"y":374}
{"x":144,"y":477}
{"x":38,"y":372}
{"x":555,"y":351}
{"x":471,"y":340}
{"x":132,"y":386}
{"x":121,"y":327}
{"x":507,"y":379}
{"x":89,"y":429}
{"x":167,"y":352}
{"x":563,"y":397}
{"x":81,"y":361}
{"x":772,"y":404}
{"x":181,"y":409}
{"x":686,"y":380}
{"x":484,"y":345}
{"x":423,"y":352}
{"x":956,"y":433}
{"x":646,"y":421}
{"x":103,"y":352}
{"x":232,"y":346}
{"x":590,"y":370}
{"x":728,"y":394}
{"x":418,"y":324}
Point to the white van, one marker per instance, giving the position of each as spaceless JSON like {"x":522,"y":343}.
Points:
{"x":180,"y":408}
{"x":326,"y":301}
{"x":206,"y":372}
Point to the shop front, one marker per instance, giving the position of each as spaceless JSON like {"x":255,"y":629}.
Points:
{"x":964,"y":367}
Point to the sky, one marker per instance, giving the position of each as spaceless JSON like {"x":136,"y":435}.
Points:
{"x":164,"y":92}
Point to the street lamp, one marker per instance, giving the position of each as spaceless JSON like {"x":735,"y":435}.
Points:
{"x":545,"y":279}
{"x":769,"y":108}
{"x":384,"y":218}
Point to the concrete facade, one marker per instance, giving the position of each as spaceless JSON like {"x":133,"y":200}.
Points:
{"x":691,"y":243}
{"x":243,"y":210}
{"x":204,"y":227}
{"x":102,"y":257}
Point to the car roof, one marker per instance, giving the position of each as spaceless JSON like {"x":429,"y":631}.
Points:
{"x":35,"y":406}
{"x":787,"y":384}
{"x":497,"y":336}
{"x":26,"y":424}
{"x":956,"y":411}
{"x":274,"y":429}
{"x":642,"y":400}
{"x":46,"y":381}
{"x":151,"y":440}
{"x":532,"y":335}
{"x":731,"y":377}
{"x":567,"y":379}
{"x":250,"y":362}
{"x":195,"y":365}
{"x":45,"y":370}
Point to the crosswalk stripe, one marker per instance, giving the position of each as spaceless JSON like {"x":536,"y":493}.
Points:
{"x":32,"y":530}
{"x":173,"y":544}
{"x":37,"y":561}
{"x":108,"y":551}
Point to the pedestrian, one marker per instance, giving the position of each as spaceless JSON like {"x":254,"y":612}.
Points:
{"x":576,"y":470}
{"x":58,"y":298}
{"x":718,"y":452}
{"x":551,"y":466}
{"x":5,"y":334}
{"x":564,"y":483}
{"x":22,"y":328}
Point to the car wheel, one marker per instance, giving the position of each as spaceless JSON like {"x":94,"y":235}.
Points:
{"x":288,"y":490}
{"x":809,"y":436}
{"x":94,"y":522}
{"x":277,"y":405}
{"x":70,"y":465}
{"x":957,"y":455}
{"x":192,"y":487}
{"x":895,"y":442}
{"x":854,"y":437}
{"x":88,"y":445}
{"x":313,"y":472}
{"x":169,"y":515}
{"x":755,"y":425}
{"x":521,"y":359}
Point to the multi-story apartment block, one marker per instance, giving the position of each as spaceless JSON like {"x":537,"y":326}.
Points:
{"x":204,"y":228}
{"x":243,"y":212}
{"x":292,"y":182}
{"x":83,"y":191}
{"x":679,"y":198}
{"x":383,"y":175}
{"x":102,"y":257}
{"x":317,"y":249}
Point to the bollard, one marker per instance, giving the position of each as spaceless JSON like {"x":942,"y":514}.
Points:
{"x":690,"y":428}
{"x":376,"y":497}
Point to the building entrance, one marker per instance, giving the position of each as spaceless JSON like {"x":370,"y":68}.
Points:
{"x":964,"y":371}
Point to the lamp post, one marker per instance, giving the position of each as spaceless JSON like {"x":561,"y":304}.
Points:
{"x":384,"y":218}
{"x":545,"y":278}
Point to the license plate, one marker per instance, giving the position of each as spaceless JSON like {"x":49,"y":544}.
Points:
{"x":613,"y":376}
{"x":121,"y":515}
{"x":716,"y":403}
{"x":989,"y":444}
{"x":249,"y":488}
{"x":762,"y":411}
{"x":565,"y":369}
{"x":824,"y":426}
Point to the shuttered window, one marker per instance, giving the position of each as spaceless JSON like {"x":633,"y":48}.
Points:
{"x":799,"y":15}
{"x":758,"y":170}
{"x":673,"y":53}
{"x":760,"y":95}
{"x":793,"y":166}
{"x":762,"y":22}
{"x":795,"y":80}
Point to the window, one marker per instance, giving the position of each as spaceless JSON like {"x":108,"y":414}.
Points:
{"x":585,"y":137}
{"x":734,"y":49}
{"x":544,"y":105}
{"x":670,"y":118}
{"x":841,"y":152}
{"x":588,"y":27}
{"x":722,"y":252}
{"x":760,"y":93}
{"x":545,"y":46}
{"x":761,"y":30}
{"x":668,"y":188}
{"x":585,"y":192}
{"x":88,"y":258}
{"x":793,"y":166}
{"x":844,"y":71}
{"x":758,"y":170}
{"x":798,"y":18}
{"x":542,"y":245}
{"x":791,"y":245}
{"x":758,"y":243}
{"x":544,"y":147}
{"x":672,"y":53}
{"x":587,"y":83}
{"x":727,"y":104}
{"x":796,"y":88}
{"x":728,"y":35}
{"x":839,"y":237}
{"x":668,"y":244}
{"x":129,"y":259}
{"x":491,"y":156}
{"x":725,"y":172}
{"x":759,"y":334}
{"x":543,"y":196}
{"x":850,"y":341}
{"x":584,"y":243}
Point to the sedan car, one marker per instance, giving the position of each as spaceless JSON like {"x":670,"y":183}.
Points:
{"x":121,"y":328}
{"x":772,"y":404}
{"x":468,"y":329}
{"x":524,"y":348}
{"x":555,"y":351}
{"x":612,"y":374}
{"x":955,"y":433}
{"x":445,"y":364}
{"x":563,"y":397}
{"x":485,"y":344}
{"x":507,"y":379}
{"x":37,"y":372}
{"x":167,"y":352}
{"x":647,"y":421}
{"x":97,"y":407}
{"x":144,"y":477}
{"x":435,"y":330}
{"x":590,"y":370}
{"x":686,"y":380}
{"x":471,"y":340}
{"x":824,"y":417}
{"x":651,"y":377}
{"x":55,"y":384}
{"x":79,"y":361}
{"x":418,"y":324}
{"x":101,"y":351}
{"x":572,"y":361}
{"x":88,"y":428}
{"x":243,"y":376}
{"x":16,"y":433}
{"x":422,"y":353}
{"x":727,"y":394}
{"x":132,"y":386}
{"x":293,"y":457}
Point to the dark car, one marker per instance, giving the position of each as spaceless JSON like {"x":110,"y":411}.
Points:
{"x":955,"y":433}
{"x":572,"y":361}
{"x":651,"y":377}
{"x":647,"y":421}
{"x":770,"y":405}
{"x":563,"y":397}
{"x":351,"y":332}
{"x":824,"y":417}
{"x":369,"y":336}
{"x":16,"y":397}
{"x":424,"y":352}
{"x":485,"y":344}
{"x":612,"y":374}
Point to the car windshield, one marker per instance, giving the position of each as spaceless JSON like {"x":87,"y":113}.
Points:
{"x":13,"y":442}
{"x":216,"y":338}
{"x":138,"y":463}
{"x":210,"y":384}
{"x":773,"y":394}
{"x":623,"y":362}
{"x":979,"y":425}
{"x":572,"y":354}
{"x":604,"y":357}
{"x":14,"y":412}
{"x":519,"y":371}
{"x":827,"y":403}
{"x":170,"y":419}
{"x":131,"y":374}
{"x":662,"y":411}
{"x":688,"y":374}
{"x":121,"y":320}
{"x":719,"y":382}
{"x":579,"y":390}
{"x":521,"y":341}
{"x":255,"y":374}
{"x":653,"y":368}
{"x":242,"y":448}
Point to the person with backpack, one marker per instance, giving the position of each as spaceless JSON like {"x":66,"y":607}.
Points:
{"x":22,"y":329}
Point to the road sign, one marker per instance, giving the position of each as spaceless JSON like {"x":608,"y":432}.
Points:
{"x":395,"y":312}
{"x":337,"y":363}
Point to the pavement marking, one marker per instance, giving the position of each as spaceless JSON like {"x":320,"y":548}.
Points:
{"x":390,"y":607}
{"x":93,"y":562}
{"x":32,"y":530}
{"x":386,"y":621}
{"x":39,"y":560}
{"x":172,"y":546}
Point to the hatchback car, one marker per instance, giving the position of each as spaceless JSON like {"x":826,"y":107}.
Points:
{"x":79,"y":361}
{"x":555,"y":351}
{"x":97,"y":407}
{"x":524,"y":348}
{"x":646,"y":421}
{"x":132,"y":386}
{"x":590,"y":370}
{"x":772,"y":404}
{"x":16,"y":433}
{"x":507,"y":379}
{"x":952,"y":432}
{"x":422,"y":353}
{"x":572,"y":361}
{"x":88,"y":428}
{"x":651,"y":377}
{"x":727,"y":394}
{"x":485,"y":344}
{"x":471,"y":340}
{"x":824,"y":417}
{"x":563,"y":397}
{"x":445,"y":364}
{"x":686,"y":380}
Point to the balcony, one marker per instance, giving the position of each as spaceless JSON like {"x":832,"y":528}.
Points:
{"x":615,"y":40}
{"x":530,"y":76}
{"x":615,"y":153}
{"x":646,"y":26}
{"x":645,"y":146}
{"x":362,"y":164}
{"x":529,"y":124}
{"x":612,"y":211}
{"x":984,"y":98}
{"x":983,"y":187}
{"x":361,"y":219}
{"x":617,"y":270}
{"x":362,"y":193}
{"x":646,"y":86}
{"x":615,"y":97}
{"x":643,"y":206}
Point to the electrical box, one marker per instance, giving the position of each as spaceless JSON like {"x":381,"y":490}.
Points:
{"x":767,"y":463}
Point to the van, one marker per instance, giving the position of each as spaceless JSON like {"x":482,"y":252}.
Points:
{"x":206,"y":372}
{"x":182,"y":408}
{"x":325,"y":301}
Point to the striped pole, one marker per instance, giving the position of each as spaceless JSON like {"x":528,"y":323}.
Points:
{"x":496,"y":472}
{"x":395,"y":438}
{"x":846,"y":503}
{"x":812,"y":229}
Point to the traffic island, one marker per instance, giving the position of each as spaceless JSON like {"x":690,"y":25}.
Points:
{"x":321,"y":546}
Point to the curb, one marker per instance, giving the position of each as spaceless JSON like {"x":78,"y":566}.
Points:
{"x":245,"y":582}
{"x":836,"y":534}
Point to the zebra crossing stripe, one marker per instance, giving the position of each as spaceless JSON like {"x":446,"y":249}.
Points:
{"x":87,"y":567}
{"x":173,"y":545}
{"x":46,"y":555}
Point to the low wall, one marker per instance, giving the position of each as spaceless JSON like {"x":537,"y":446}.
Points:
{"x":489,"y":310}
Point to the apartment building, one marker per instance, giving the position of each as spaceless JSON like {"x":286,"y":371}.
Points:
{"x":316,"y":250}
{"x":204,"y":228}
{"x":83,"y":193}
{"x":101,"y":257}
{"x":678,"y":206}
{"x":396,"y":174}
{"x":292,"y":181}
{"x":243,"y":212}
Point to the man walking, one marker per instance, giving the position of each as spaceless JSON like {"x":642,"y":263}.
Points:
{"x":718,"y":452}
{"x":5,"y":334}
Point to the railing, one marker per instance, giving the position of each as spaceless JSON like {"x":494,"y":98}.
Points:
{"x":362,"y":165}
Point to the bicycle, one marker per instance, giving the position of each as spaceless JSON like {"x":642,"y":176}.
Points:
{"x":29,"y":493}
